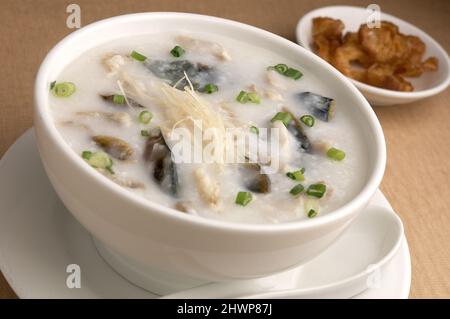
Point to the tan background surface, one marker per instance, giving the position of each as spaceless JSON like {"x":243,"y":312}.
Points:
{"x":418,"y":135}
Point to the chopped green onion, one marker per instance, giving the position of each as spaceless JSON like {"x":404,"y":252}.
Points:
{"x":316,"y":190}
{"x":297,"y":189}
{"x":253,"y":97}
{"x":177,"y":51}
{"x":118,"y":99}
{"x":242,"y":97}
{"x":145,"y":133}
{"x":308,"y":120}
{"x":137,"y":56}
{"x":284,"y":117}
{"x":287,"y":71}
{"x":109,"y":169}
{"x":64,"y":89}
{"x":86,"y":155}
{"x":243,"y":198}
{"x":280,"y":68}
{"x":336,"y":154}
{"x":254,"y":129}
{"x":293,"y":73}
{"x":210,"y":88}
{"x":297,"y":175}
{"x":52,"y":85}
{"x":98,"y":160}
{"x":312,"y":213}
{"x":311,"y":204}
{"x":145,"y":117}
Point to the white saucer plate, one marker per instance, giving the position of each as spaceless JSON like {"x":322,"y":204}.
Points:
{"x":39,"y":239}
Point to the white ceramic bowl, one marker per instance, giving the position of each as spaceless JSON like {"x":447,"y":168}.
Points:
{"x":157,"y":247}
{"x":429,"y":84}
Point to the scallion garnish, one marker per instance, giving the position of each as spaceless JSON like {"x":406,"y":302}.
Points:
{"x":253,"y":97}
{"x":145,"y":133}
{"x":312,"y":213}
{"x":311,"y":204}
{"x":98,"y":160}
{"x":280,"y":68}
{"x":336,"y":154}
{"x":210,"y":88}
{"x":297,"y":189}
{"x":137,"y":56}
{"x":242,"y":97}
{"x":293,"y":73}
{"x":145,"y":117}
{"x":243,"y":198}
{"x":64,"y":89}
{"x":254,"y":129}
{"x":284,"y":117}
{"x":118,"y":99}
{"x":286,"y":71}
{"x":316,"y":190}
{"x":296,"y":175}
{"x":177,"y":51}
{"x":308,"y":120}
{"x":86,"y":155}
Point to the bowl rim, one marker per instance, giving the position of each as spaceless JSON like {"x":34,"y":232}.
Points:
{"x":373,"y":178}
{"x":435,"y":89}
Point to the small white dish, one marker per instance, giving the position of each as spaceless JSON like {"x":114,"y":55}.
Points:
{"x":429,"y":84}
{"x":39,"y":238}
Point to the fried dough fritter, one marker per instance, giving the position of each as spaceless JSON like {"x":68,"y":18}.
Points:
{"x":377,"y":56}
{"x":327,"y":36}
{"x":343,"y":60}
{"x":384,"y":44}
{"x":382,"y":75}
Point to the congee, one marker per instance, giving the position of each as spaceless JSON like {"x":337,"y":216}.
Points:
{"x":210,"y":126}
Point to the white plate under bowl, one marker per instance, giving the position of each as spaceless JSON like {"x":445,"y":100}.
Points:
{"x":429,"y":84}
{"x":39,"y":238}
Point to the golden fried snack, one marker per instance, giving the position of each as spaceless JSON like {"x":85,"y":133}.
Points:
{"x":377,"y":56}
{"x":430,"y":64}
{"x":416,"y":48}
{"x":414,"y":66}
{"x":344,"y":57}
{"x":350,"y":52}
{"x":330,"y":28}
{"x":363,"y":58}
{"x":384,"y":44}
{"x":411,"y":65}
{"x":325,"y":47}
{"x":382,"y":75}
{"x":327,"y":36}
